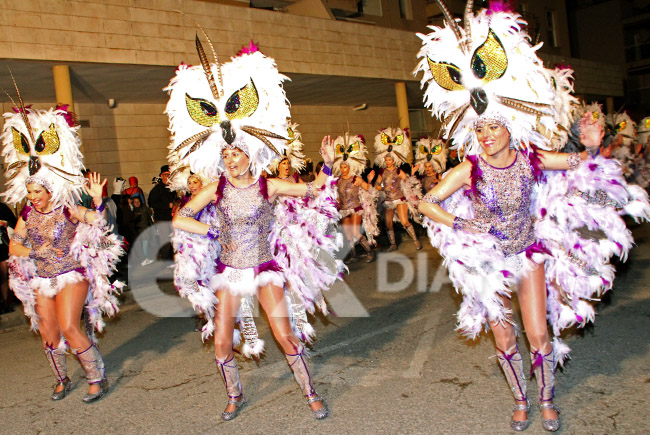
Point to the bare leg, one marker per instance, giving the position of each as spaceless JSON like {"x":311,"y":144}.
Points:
{"x":349,"y":236}
{"x":225,"y":315}
{"x":48,"y":327}
{"x":532,"y":299}
{"x":388,"y":217}
{"x":273,"y":302}
{"x":403,"y":215}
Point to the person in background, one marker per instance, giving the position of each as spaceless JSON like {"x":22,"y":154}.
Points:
{"x":7,"y":220}
{"x":133,"y":188}
{"x":307,"y":173}
{"x":142,"y":221}
{"x":162,"y":201}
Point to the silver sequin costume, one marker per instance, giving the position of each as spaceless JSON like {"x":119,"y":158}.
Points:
{"x":504,"y":197}
{"x":349,"y":200}
{"x":392,"y":187}
{"x":429,"y":182}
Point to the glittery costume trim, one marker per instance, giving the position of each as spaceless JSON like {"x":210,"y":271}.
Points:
{"x":492,"y":118}
{"x":309,"y":193}
{"x":186,"y":212}
{"x":543,"y":366}
{"x":349,"y":198}
{"x":40,"y":181}
{"x":245,"y":282}
{"x":573,"y":160}
{"x":56,"y":359}
{"x":513,"y":369}
{"x":50,"y":287}
{"x":431,"y":198}
{"x":92,"y":363}
{"x":392,"y":185}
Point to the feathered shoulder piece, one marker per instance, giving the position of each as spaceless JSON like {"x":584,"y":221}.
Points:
{"x":238,"y":104}
{"x":486,"y":68}
{"x":351,"y":150}
{"x":42,"y":146}
{"x":431,"y":150}
{"x":394,"y":142}
{"x":621,"y":124}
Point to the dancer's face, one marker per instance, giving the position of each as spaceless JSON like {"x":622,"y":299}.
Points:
{"x":493,"y":137}
{"x":283,"y":169}
{"x":194,"y":185}
{"x":428,"y":169}
{"x":38,"y":196}
{"x":345,"y":169}
{"x":390,"y":162}
{"x":236,"y":161}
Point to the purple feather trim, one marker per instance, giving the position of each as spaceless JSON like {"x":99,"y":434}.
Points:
{"x":536,"y":248}
{"x":264,"y":187}
{"x":220,"y":187}
{"x":535,"y":163}
{"x":269,"y":266}
{"x":25,"y":212}
{"x":476,"y":176}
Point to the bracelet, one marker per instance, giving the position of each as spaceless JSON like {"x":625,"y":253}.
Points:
{"x":101,"y":207}
{"x":213,"y":232}
{"x":186,"y":212}
{"x":32,"y":254}
{"x":309,"y":194}
{"x":573,"y":160}
{"x":432,"y":199}
{"x":85,"y":217}
{"x":18,"y":238}
{"x":327,"y":170}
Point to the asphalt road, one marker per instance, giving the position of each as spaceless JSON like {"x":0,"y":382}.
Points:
{"x":390,"y":362}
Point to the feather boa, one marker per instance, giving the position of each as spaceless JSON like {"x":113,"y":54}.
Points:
{"x":412,"y":189}
{"x":577,"y":220}
{"x":98,"y":251}
{"x":369,"y":217}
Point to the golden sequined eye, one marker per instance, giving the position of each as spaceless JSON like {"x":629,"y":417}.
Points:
{"x":647,"y":123}
{"x":202,"y":111}
{"x":340,"y":149}
{"x":489,"y":61}
{"x":20,"y":142}
{"x":354,"y":147}
{"x":621,"y":126}
{"x":385,"y":139}
{"x":399,"y":139}
{"x":437,"y":149}
{"x":291,"y":134}
{"x":243,"y":103}
{"x":48,"y":142}
{"x":446,"y":75}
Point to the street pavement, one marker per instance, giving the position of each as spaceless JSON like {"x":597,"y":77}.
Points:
{"x":389,"y":362}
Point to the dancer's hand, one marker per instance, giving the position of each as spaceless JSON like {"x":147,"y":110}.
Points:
{"x":358,"y":181}
{"x":327,"y":150}
{"x":95,"y":187}
{"x":591,"y":133}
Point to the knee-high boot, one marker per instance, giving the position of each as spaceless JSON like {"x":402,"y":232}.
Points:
{"x":56,"y":359}
{"x":300,"y":369}
{"x":411,"y":231}
{"x":513,"y":369}
{"x":93,"y":365}
{"x":366,"y":246}
{"x":391,"y":238}
{"x":543,"y":367}
{"x":230,"y":374}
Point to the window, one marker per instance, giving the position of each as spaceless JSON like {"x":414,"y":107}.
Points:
{"x":405,"y":10}
{"x":551,"y":29}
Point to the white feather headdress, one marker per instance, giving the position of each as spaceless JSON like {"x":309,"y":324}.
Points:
{"x":244,"y":108}
{"x":293,"y":151}
{"x":41,"y":146}
{"x":431,"y":150}
{"x":351,"y":150}
{"x":620,"y":123}
{"x":487,"y":68}
{"x":394,"y":142}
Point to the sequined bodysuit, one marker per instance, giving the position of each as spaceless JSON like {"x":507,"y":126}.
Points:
{"x":392,"y":185}
{"x":56,"y":229}
{"x":245,"y":215}
{"x":348,"y":194}
{"x":504,"y":196}
{"x":429,"y":182}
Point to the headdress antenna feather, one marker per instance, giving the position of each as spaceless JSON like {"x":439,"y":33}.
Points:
{"x":23,"y":112}
{"x":450,"y":20}
{"x":216,"y":60}
{"x":466,"y":17}
{"x":206,"y":68}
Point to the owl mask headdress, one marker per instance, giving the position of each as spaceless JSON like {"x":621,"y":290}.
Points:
{"x":293,"y":152}
{"x":42,"y":147}
{"x":393,"y":142}
{"x":565,"y":104}
{"x":643,"y":132}
{"x":620,"y":123}
{"x":486,"y":69}
{"x":212,"y":107}
{"x":351,"y":150}
{"x":431,"y":150}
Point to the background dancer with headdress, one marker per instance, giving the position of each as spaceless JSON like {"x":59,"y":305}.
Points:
{"x":498,"y":104}
{"x":357,"y":197}
{"x":61,"y":252}
{"x":430,"y":161}
{"x":402,"y":191}
{"x":231,"y":129}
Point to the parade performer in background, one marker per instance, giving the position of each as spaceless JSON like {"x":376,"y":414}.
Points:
{"x":357,"y":197}
{"x":229,"y":122}
{"x":402,"y":191}
{"x":61,"y":253}
{"x":505,"y":204}
{"x":430,"y":161}
{"x":293,"y":157}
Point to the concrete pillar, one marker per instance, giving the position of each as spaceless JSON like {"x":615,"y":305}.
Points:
{"x":402,"y":105}
{"x":609,"y":106}
{"x":62,"y":85}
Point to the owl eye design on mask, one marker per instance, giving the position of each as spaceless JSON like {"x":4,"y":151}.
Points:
{"x":242,"y":103}
{"x":353,"y":148}
{"x":21,"y":144}
{"x":47,"y":142}
{"x":447,"y":75}
{"x":489,"y":61}
{"x":202,"y":111}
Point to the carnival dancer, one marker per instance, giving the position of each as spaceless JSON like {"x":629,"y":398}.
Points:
{"x":430,"y":161}
{"x":357,"y":197}
{"x":401,"y":191}
{"x":486,"y":81}
{"x":293,"y":157}
{"x":61,"y":253}
{"x":229,"y":122}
